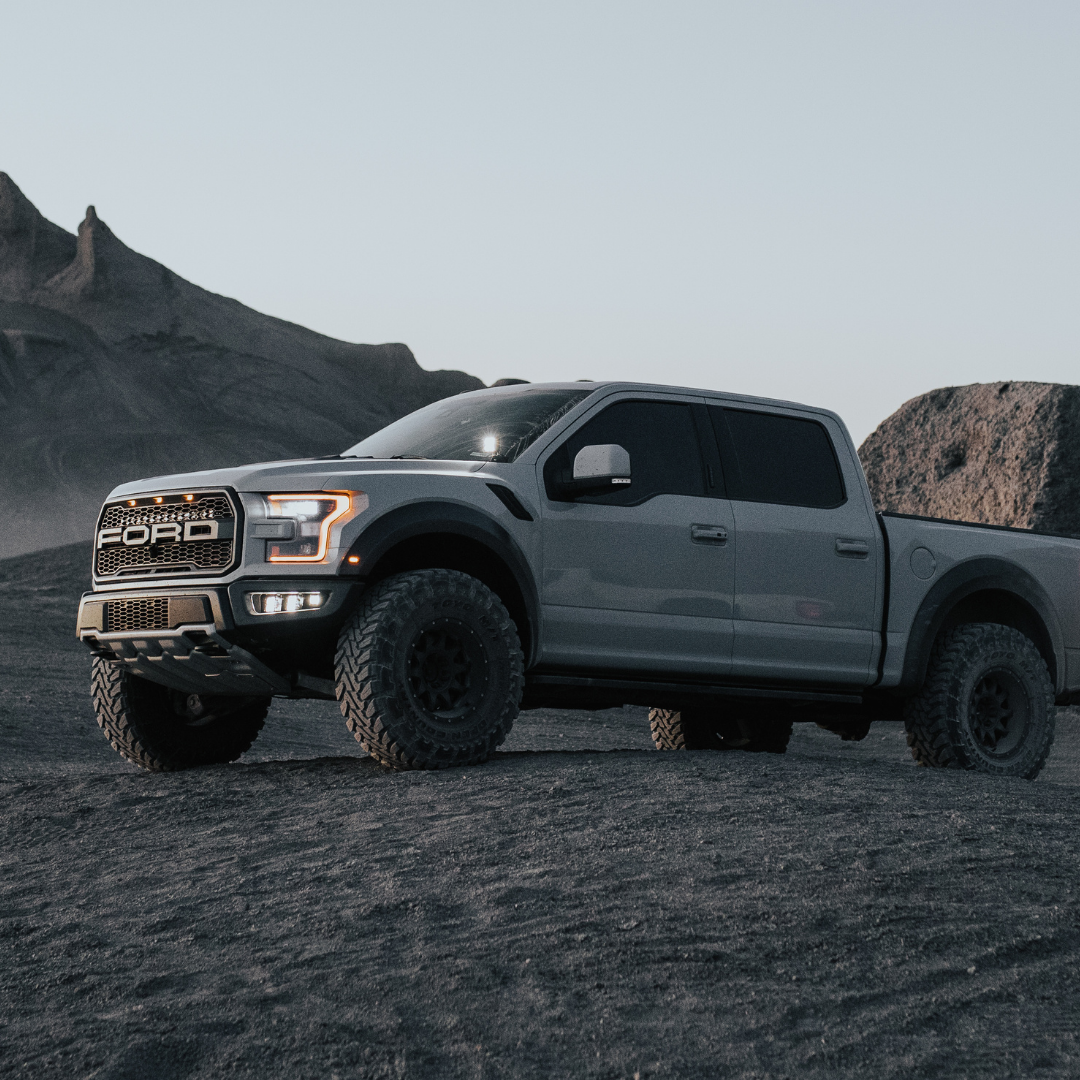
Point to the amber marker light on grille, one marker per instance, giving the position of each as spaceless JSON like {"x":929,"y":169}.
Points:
{"x":189,"y":498}
{"x":306,"y":508}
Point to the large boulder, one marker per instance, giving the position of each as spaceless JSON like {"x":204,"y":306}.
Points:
{"x":1003,"y":453}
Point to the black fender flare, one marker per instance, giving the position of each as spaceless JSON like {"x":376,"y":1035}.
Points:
{"x":966,"y":579}
{"x":434,"y":517}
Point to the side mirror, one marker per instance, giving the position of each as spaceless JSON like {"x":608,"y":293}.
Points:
{"x":599,"y":468}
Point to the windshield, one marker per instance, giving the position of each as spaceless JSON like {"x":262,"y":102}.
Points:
{"x":485,"y":427}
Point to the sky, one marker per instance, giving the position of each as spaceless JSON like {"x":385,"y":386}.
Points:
{"x":841,"y":203}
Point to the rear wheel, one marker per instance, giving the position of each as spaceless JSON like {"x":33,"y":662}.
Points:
{"x":987,"y":704}
{"x":163,"y":730}
{"x":429,"y":671}
{"x":708,"y":729}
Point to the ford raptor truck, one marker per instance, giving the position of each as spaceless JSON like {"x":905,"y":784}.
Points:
{"x":716,"y":558}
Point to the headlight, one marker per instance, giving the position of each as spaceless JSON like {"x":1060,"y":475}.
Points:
{"x":313,"y":514}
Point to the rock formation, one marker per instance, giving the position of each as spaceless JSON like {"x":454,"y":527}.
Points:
{"x":112,"y":367}
{"x":1000,"y":453}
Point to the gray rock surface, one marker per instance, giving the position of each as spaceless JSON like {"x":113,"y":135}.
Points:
{"x":1000,"y":453}
{"x":112,"y":367}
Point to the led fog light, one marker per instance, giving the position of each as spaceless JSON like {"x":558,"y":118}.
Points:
{"x":274,"y":603}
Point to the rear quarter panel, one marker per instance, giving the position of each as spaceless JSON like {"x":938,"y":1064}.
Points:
{"x":926,"y":556}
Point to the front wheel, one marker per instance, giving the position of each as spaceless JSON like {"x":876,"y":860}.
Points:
{"x":987,"y":704}
{"x":708,"y":729}
{"x":162,"y":730}
{"x":429,"y":671}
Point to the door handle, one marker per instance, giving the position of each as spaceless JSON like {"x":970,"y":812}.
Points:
{"x":858,"y":549}
{"x":708,"y":534}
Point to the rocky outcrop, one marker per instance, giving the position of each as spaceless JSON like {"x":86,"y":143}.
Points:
{"x":112,"y":367}
{"x":32,"y":250}
{"x":105,"y":269}
{"x":1000,"y":453}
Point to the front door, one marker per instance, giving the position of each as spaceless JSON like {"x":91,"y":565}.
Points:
{"x":642,"y":577}
{"x":807,"y":582}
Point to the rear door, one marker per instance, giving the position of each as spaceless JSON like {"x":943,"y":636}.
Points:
{"x":806,"y":580}
{"x":642,"y":577}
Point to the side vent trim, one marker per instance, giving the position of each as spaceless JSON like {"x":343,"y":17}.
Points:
{"x":511,"y":502}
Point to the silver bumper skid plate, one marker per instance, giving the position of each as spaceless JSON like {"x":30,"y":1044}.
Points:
{"x":195,"y":659}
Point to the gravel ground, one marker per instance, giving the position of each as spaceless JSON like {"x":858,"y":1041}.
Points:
{"x":581,"y":906}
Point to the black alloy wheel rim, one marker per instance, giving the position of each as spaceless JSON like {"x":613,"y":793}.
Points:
{"x":998,"y":714}
{"x":446,"y":669}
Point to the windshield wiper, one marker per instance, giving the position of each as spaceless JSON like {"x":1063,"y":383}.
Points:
{"x":408,"y":457}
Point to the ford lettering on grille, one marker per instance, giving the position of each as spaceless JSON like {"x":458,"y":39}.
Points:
{"x":166,"y":534}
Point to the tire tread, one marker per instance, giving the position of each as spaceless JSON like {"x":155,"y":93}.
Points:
{"x":695,"y":729}
{"x":129,"y":728}
{"x":931,"y":716}
{"x":364,"y":668}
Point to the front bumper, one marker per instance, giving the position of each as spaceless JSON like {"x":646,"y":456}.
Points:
{"x":207,"y":640}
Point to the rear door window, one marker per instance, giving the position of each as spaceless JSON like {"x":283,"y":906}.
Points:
{"x":772,"y":458}
{"x":659,"y":436}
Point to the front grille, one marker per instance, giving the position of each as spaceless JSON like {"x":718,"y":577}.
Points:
{"x":146,"y":613}
{"x":212,"y":555}
{"x":171,"y":508}
{"x":169,"y":556}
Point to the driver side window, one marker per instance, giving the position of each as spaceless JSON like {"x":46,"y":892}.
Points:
{"x":665,"y":458}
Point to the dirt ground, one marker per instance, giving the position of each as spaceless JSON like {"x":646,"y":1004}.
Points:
{"x":582,"y":906}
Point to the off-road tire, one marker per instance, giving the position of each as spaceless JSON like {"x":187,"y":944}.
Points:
{"x":987,"y":704}
{"x":163,"y":730}
{"x":707,"y":729}
{"x":429,"y":671}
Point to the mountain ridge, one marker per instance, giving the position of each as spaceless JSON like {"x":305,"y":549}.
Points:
{"x":113,"y":367}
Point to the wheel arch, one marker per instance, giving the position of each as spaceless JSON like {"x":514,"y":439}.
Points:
{"x":449,"y":536}
{"x":985,"y":590}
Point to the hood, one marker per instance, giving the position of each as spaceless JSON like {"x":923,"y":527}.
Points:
{"x":303,"y":474}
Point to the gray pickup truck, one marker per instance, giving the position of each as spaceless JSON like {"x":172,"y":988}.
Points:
{"x":716,"y":558}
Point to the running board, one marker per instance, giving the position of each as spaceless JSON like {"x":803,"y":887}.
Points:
{"x":589,"y":692}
